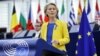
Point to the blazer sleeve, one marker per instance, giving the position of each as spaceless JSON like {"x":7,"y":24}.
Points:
{"x":65,"y":39}
{"x":41,"y":32}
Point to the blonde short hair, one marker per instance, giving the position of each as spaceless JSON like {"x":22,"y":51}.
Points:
{"x":45,"y":8}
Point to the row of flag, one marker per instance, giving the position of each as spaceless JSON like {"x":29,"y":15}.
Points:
{"x":15,"y":26}
{"x":23,"y":25}
{"x":73,"y":19}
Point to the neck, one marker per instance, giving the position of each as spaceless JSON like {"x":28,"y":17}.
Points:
{"x":52,"y":20}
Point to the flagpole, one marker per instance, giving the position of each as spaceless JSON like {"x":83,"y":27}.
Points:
{"x":9,"y":13}
{"x":66,"y":3}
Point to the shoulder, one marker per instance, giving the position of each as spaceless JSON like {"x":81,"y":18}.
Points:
{"x":44,"y":24}
{"x":61,"y":22}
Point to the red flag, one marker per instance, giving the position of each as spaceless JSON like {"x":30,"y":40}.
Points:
{"x":39,"y":15}
{"x":46,"y":19}
{"x":97,"y":7}
{"x":97,"y":15}
{"x":29,"y":24}
{"x":17,"y":28}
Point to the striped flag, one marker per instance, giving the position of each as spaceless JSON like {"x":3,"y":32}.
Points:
{"x":85,"y":44}
{"x":71,"y":20}
{"x":14,"y":26}
{"x":22,"y":21}
{"x":29,"y":24}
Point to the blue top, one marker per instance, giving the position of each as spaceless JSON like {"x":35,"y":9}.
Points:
{"x":50,"y":32}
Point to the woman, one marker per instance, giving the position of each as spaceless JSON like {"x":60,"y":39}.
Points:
{"x":54,"y":32}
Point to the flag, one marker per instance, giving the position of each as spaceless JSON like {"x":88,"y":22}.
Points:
{"x":22,"y":21}
{"x":79,"y":13}
{"x":29,"y":24}
{"x":39,"y":14}
{"x":79,"y":8}
{"x":85,"y":44}
{"x":63,"y":13}
{"x":62,"y":9}
{"x":46,"y":19}
{"x":88,"y":9}
{"x":97,"y":12}
{"x":97,"y":7}
{"x":14,"y":26}
{"x":71,"y":20}
{"x":89,"y":15}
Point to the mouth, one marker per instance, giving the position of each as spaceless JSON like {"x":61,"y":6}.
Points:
{"x":52,"y":13}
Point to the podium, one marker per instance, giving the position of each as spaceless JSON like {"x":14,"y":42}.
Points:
{"x":25,"y":47}
{"x":42,"y":45}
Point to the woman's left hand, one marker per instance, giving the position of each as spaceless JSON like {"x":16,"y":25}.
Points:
{"x":55,"y":42}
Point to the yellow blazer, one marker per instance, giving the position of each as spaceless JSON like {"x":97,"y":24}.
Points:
{"x":60,"y":33}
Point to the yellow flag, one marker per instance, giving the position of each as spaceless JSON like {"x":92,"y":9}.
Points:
{"x":14,"y":21}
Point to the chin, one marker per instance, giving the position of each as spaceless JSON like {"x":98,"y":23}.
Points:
{"x":51,"y":16}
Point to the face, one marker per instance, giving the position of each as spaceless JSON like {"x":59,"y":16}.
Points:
{"x":51,"y":11}
{"x":37,"y":27}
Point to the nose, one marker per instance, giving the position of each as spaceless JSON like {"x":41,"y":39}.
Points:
{"x":52,"y":9}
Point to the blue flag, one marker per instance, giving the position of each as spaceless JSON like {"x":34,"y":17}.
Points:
{"x":85,"y":44}
{"x":88,"y":9}
{"x":29,"y":23}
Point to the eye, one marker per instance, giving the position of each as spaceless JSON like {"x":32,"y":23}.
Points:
{"x":54,"y":8}
{"x":50,"y":8}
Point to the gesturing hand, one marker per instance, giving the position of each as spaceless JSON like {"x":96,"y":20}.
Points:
{"x":55,"y":42}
